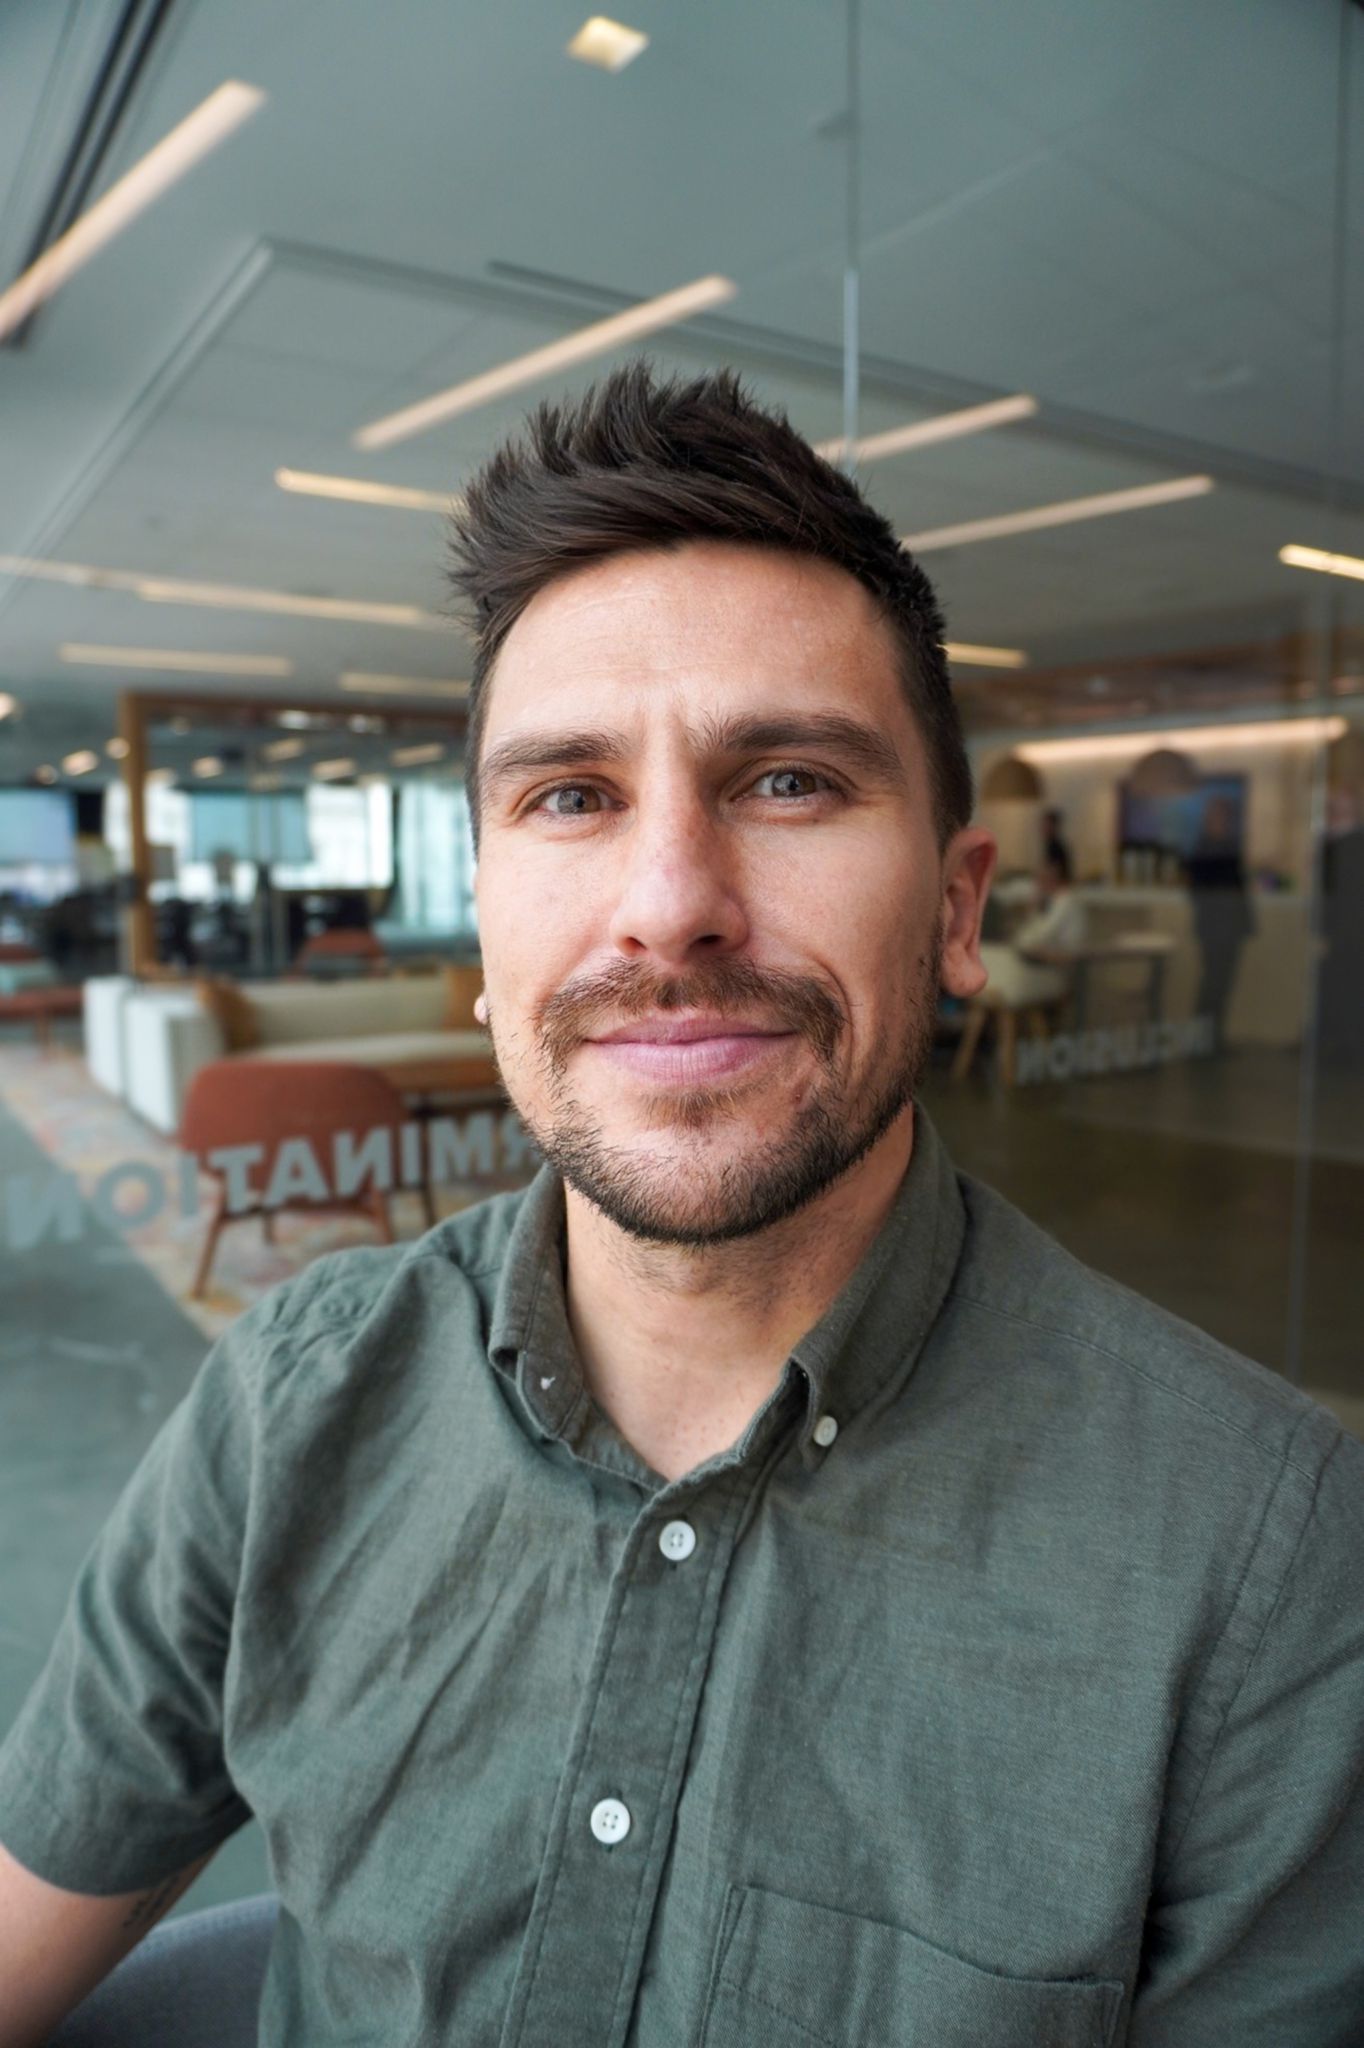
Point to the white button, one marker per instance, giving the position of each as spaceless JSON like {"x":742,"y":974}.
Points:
{"x":610,"y":1821}
{"x":825,"y":1430}
{"x":677,"y":1540}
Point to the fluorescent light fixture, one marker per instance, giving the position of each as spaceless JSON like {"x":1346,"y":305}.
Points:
{"x":45,"y":773}
{"x":333,"y":771}
{"x":401,"y":686}
{"x":210,"y":123}
{"x":162,"y":777}
{"x":1262,"y":733}
{"x":207,"y":765}
{"x":283,"y":750}
{"x":181,"y":663}
{"x":81,"y":762}
{"x":8,"y":704}
{"x":965,"y":655}
{"x":416,"y":757}
{"x":1067,"y":513}
{"x":242,"y":598}
{"x":117,"y":749}
{"x":264,"y":780}
{"x":227,"y":596}
{"x":598,"y":339}
{"x":353,"y":490}
{"x":943,"y":426}
{"x":1318,"y":558}
{"x":606,"y":43}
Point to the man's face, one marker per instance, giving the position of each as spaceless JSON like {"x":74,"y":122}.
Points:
{"x":706,"y":816}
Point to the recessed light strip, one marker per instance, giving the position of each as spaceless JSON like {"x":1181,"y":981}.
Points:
{"x":415,"y":757}
{"x":943,"y":426}
{"x":353,"y":490}
{"x":1328,"y":564}
{"x":226,"y":596}
{"x":400,"y":686}
{"x":181,"y":663}
{"x":964,"y":654}
{"x":1067,"y":513}
{"x":1263,"y":732}
{"x":598,"y":339}
{"x":210,"y":123}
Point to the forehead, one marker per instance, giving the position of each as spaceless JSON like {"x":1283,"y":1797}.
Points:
{"x":705,"y":623}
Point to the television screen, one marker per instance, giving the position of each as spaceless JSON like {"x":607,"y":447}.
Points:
{"x":36,"y":825}
{"x":1216,"y":808}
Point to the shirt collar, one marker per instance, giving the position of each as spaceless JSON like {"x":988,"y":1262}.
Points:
{"x":866,"y":1341}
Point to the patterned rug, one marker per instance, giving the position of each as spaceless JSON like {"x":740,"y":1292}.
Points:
{"x":85,"y":1132}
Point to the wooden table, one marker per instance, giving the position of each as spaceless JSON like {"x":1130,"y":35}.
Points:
{"x":39,"y":1007}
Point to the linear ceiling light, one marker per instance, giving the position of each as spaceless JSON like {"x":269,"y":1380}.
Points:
{"x":400,"y":686}
{"x":45,"y":773}
{"x":207,"y":765}
{"x":414,"y":757}
{"x":965,"y":655}
{"x":227,"y":596}
{"x":596,"y":340}
{"x":608,"y":44}
{"x":81,"y":762}
{"x":8,"y":705}
{"x":333,"y":771}
{"x":118,"y":749}
{"x":1318,"y":558}
{"x":944,"y":426}
{"x":353,"y":490}
{"x":184,"y":663}
{"x":210,"y":123}
{"x":1263,"y":732}
{"x":284,"y":750}
{"x":1064,"y":514}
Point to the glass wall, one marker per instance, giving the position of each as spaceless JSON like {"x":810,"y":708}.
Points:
{"x":1074,"y":291}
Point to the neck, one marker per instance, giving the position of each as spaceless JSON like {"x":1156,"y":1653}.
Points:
{"x":682,"y":1345}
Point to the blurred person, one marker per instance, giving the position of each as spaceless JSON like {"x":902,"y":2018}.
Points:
{"x":1029,"y":969}
{"x":751,"y":1584}
{"x":1055,"y":846}
{"x":1222,"y":912}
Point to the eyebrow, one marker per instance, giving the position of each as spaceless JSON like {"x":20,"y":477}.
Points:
{"x":831,"y":731}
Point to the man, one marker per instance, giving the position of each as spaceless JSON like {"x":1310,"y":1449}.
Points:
{"x":753,"y":1585}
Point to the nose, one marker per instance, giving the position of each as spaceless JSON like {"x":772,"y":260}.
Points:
{"x":677,"y":891}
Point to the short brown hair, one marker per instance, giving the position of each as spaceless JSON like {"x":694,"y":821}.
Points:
{"x":640,"y":463}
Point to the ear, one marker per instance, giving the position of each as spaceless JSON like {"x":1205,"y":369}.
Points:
{"x":481,"y":1008}
{"x":968,"y":864}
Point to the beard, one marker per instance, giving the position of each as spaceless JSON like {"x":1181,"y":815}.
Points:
{"x":684,"y":1196}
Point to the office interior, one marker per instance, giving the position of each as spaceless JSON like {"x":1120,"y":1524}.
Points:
{"x":1077,"y":295}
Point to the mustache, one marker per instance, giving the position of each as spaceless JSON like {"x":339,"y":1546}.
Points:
{"x":622,"y":992}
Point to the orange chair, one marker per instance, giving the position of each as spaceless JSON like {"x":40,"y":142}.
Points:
{"x":265,"y":1102}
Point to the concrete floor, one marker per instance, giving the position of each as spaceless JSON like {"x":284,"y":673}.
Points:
{"x":1180,"y":1182}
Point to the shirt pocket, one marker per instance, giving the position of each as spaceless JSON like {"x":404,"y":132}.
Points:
{"x":788,"y":1975}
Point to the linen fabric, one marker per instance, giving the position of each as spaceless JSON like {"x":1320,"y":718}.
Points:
{"x":1024,"y":1707}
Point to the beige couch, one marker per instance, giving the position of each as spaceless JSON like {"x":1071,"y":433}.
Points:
{"x":398,"y":1023}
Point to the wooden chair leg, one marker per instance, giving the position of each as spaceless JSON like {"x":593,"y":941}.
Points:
{"x":378,"y":1209}
{"x":970,"y":1039}
{"x":1008,"y":1046}
{"x":217,"y":1218}
{"x":428,"y":1195}
{"x":267,"y":1225}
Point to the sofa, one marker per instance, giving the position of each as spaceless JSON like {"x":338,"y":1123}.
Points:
{"x":147,"y":1042}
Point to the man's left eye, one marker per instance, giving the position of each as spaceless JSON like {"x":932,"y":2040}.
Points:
{"x":789,"y":775}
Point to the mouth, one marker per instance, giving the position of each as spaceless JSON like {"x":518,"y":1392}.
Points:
{"x":682,"y":1051}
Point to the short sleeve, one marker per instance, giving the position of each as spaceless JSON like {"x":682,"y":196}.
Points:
{"x":1256,"y":1932}
{"x":113,"y":1776}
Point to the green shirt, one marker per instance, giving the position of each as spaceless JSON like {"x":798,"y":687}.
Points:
{"x":1003,"y":1687}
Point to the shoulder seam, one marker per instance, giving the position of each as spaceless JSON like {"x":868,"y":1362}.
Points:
{"x":1130,"y":1364}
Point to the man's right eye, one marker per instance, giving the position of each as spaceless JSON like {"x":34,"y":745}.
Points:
{"x":576,"y":808}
